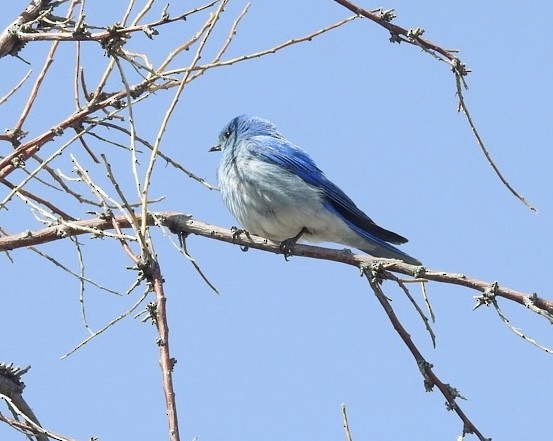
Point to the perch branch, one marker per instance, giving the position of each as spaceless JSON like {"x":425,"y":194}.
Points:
{"x":180,"y":223}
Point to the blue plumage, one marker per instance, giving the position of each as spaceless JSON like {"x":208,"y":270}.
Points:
{"x":275,"y":190}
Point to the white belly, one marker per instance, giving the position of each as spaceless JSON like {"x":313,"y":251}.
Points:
{"x":273,"y":203}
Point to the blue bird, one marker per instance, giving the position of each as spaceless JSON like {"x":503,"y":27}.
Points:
{"x":275,"y":190}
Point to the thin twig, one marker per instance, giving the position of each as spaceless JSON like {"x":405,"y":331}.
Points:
{"x":427,"y":301}
{"x":162,"y":155}
{"x":79,"y":277}
{"x":15,"y":88}
{"x":149,"y":170}
{"x":134,"y":157}
{"x":184,"y":250}
{"x":272,"y":50}
{"x":34,"y":92}
{"x":82,"y":285}
{"x":232,"y":33}
{"x":38,"y":83}
{"x":108,"y":325}
{"x":416,"y":306}
{"x":345,"y":423}
{"x":38,"y":199}
{"x":464,"y":108}
{"x":517,"y":331}
{"x":414,"y":37}
{"x":128,"y":211}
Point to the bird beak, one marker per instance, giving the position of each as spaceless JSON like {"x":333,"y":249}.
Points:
{"x":215,"y":148}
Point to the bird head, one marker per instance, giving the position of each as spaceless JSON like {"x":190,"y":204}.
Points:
{"x":242,"y":127}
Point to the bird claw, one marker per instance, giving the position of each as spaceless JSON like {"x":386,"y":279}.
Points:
{"x":286,"y":247}
{"x":236,"y":232}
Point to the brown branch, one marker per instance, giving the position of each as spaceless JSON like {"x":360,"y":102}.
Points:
{"x":10,"y":43}
{"x":40,"y":200}
{"x":180,"y":223}
{"x":38,"y":83}
{"x":24,"y":151}
{"x":167,"y":363}
{"x":12,"y":39}
{"x":413,"y":36}
{"x":430,"y":378}
{"x":464,"y":108}
{"x":395,"y":30}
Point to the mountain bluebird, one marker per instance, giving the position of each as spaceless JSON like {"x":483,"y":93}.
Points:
{"x":275,"y":190}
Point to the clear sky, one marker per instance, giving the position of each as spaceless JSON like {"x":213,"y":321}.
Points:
{"x":286,"y":343}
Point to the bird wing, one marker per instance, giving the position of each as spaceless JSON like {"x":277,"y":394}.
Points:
{"x":281,"y":152}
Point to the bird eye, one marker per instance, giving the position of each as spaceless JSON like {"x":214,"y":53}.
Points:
{"x":227,"y":134}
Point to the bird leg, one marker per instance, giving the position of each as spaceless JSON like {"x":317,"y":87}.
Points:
{"x":287,"y":244}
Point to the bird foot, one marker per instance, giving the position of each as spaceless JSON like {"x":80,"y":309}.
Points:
{"x":236,"y":232}
{"x":287,"y":245}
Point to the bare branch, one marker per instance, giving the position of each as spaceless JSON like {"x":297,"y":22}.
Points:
{"x":213,"y":19}
{"x":345,"y":423}
{"x":410,"y":36}
{"x":459,"y":69}
{"x":430,"y":378}
{"x":15,"y":88}
{"x":272,"y":50}
{"x":166,"y":362}
{"x":180,"y":223}
{"x":9,"y":38}
{"x":111,"y":322}
{"x":463,"y":107}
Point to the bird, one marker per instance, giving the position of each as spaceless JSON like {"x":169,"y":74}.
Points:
{"x":276,"y":191}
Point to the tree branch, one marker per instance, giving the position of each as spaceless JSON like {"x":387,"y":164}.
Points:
{"x":413,"y":36}
{"x":181,"y":223}
{"x":167,"y":363}
{"x":9,"y":40}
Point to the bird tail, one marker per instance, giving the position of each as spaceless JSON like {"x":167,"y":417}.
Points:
{"x":388,"y":251}
{"x":379,"y":247}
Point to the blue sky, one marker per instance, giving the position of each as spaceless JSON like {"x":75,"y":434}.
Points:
{"x":286,"y":343}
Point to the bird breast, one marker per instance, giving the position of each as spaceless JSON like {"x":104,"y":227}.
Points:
{"x":272,"y":202}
